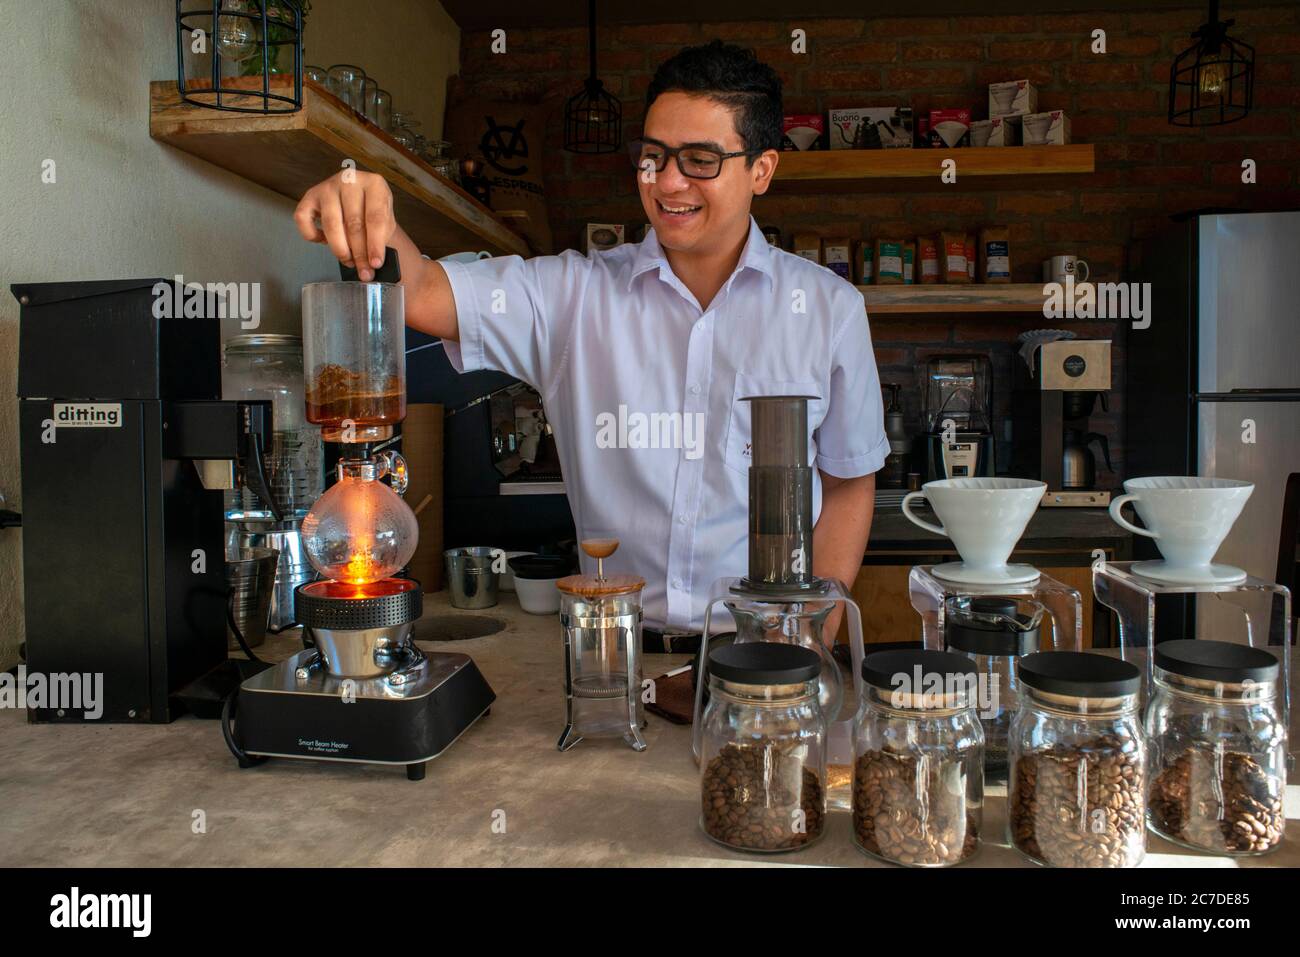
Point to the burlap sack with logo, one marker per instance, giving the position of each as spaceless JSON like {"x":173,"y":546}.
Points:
{"x":508,"y":137}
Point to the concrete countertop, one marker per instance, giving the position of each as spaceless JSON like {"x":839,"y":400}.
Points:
{"x":1075,"y":528}
{"x":128,"y":796}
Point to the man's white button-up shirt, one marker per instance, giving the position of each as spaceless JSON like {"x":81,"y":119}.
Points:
{"x":644,"y":389}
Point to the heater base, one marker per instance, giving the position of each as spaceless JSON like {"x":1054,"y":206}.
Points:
{"x":297,"y":710}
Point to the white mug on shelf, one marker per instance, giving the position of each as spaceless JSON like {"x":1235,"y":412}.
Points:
{"x":1188,"y":518}
{"x":1058,"y":268}
{"x":985,"y":518}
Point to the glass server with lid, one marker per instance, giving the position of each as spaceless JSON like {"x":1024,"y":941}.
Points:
{"x":601,"y":620}
{"x":918,"y":778}
{"x":1218,"y":747}
{"x":1076,"y":794}
{"x":994,"y":632}
{"x":763,"y":748}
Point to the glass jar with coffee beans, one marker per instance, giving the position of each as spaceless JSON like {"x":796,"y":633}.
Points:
{"x":994,"y":632}
{"x":1076,"y":793}
{"x":763,"y":748}
{"x":918,"y":777}
{"x":1218,"y":747}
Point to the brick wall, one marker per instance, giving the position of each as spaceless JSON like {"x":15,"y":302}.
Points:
{"x":1146,"y":169}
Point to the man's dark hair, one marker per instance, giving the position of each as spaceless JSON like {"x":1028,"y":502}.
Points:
{"x":733,"y":76}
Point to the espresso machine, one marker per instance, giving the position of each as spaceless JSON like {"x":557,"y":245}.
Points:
{"x":781,"y":600}
{"x":957,"y":409}
{"x":126,"y":447}
{"x":1055,"y":394}
{"x":364,"y":692}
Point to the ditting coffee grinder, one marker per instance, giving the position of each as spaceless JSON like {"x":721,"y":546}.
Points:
{"x":365,"y":692}
{"x":1057,"y":389}
{"x":957,"y":409}
{"x":125,"y":446}
{"x":781,"y":599}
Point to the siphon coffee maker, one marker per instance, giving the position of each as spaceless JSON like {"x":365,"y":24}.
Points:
{"x":364,"y":692}
{"x":781,"y":599}
{"x":601,"y":620}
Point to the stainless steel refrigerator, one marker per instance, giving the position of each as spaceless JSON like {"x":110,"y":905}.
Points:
{"x":1213,"y":384}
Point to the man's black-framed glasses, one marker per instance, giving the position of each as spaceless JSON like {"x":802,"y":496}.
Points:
{"x":695,"y":162}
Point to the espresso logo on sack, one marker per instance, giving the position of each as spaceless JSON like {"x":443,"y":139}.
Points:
{"x":502,"y":143}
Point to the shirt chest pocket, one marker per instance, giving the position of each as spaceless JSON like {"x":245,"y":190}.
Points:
{"x":739,"y":436}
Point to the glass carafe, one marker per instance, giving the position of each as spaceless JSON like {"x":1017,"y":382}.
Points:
{"x":794,"y":623}
{"x":268,"y":366}
{"x":360,"y":530}
{"x":354,"y":356}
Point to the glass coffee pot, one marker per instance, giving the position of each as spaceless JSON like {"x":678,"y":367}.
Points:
{"x":360,"y":530}
{"x":601,"y":620}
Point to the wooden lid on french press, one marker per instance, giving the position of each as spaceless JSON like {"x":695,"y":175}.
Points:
{"x":598,"y":585}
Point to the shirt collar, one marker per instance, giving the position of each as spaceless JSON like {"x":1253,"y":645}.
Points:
{"x":756,"y":255}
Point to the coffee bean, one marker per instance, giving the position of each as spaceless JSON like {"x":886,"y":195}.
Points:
{"x":923,"y":824}
{"x":1225,"y":803}
{"x":751,"y":793}
{"x":1080,"y":805}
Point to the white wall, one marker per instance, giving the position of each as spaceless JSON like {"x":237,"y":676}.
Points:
{"x":74,"y":88}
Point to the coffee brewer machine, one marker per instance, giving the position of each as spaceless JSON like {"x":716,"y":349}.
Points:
{"x":957,"y":409}
{"x":125,"y":446}
{"x":781,"y":600}
{"x":364,"y":692}
{"x":1052,"y":403}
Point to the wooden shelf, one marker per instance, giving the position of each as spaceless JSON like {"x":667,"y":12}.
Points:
{"x":985,"y":165}
{"x":896,"y":300}
{"x":289,"y":152}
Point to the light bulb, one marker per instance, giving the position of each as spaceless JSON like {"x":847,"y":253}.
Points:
{"x":236,"y":37}
{"x":1212,"y":77}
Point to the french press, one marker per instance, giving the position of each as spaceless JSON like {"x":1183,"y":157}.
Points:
{"x":601,"y":620}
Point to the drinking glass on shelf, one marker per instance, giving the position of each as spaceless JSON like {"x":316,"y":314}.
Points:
{"x":368,"y":87}
{"x":346,"y":82}
{"x":404,"y":129}
{"x":379,"y":108}
{"x":440,"y":158}
{"x":317,"y":74}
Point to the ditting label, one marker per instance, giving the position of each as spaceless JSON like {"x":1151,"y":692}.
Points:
{"x":88,"y":415}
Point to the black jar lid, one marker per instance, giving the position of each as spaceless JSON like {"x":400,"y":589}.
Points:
{"x":882,"y":668}
{"x":963,"y":632}
{"x":1216,"y":661}
{"x":765,"y":663}
{"x":1079,"y":674}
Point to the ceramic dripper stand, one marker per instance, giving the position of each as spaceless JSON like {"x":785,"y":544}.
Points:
{"x":781,"y":600}
{"x":984,"y":608}
{"x":1251,"y":611}
{"x":601,"y":620}
{"x":364,"y":692}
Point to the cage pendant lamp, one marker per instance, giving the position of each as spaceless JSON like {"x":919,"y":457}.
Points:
{"x":1213,"y":81}
{"x":239,"y":44}
{"x":593,"y":120}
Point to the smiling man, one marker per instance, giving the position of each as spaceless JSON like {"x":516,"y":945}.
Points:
{"x":677,"y":329}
